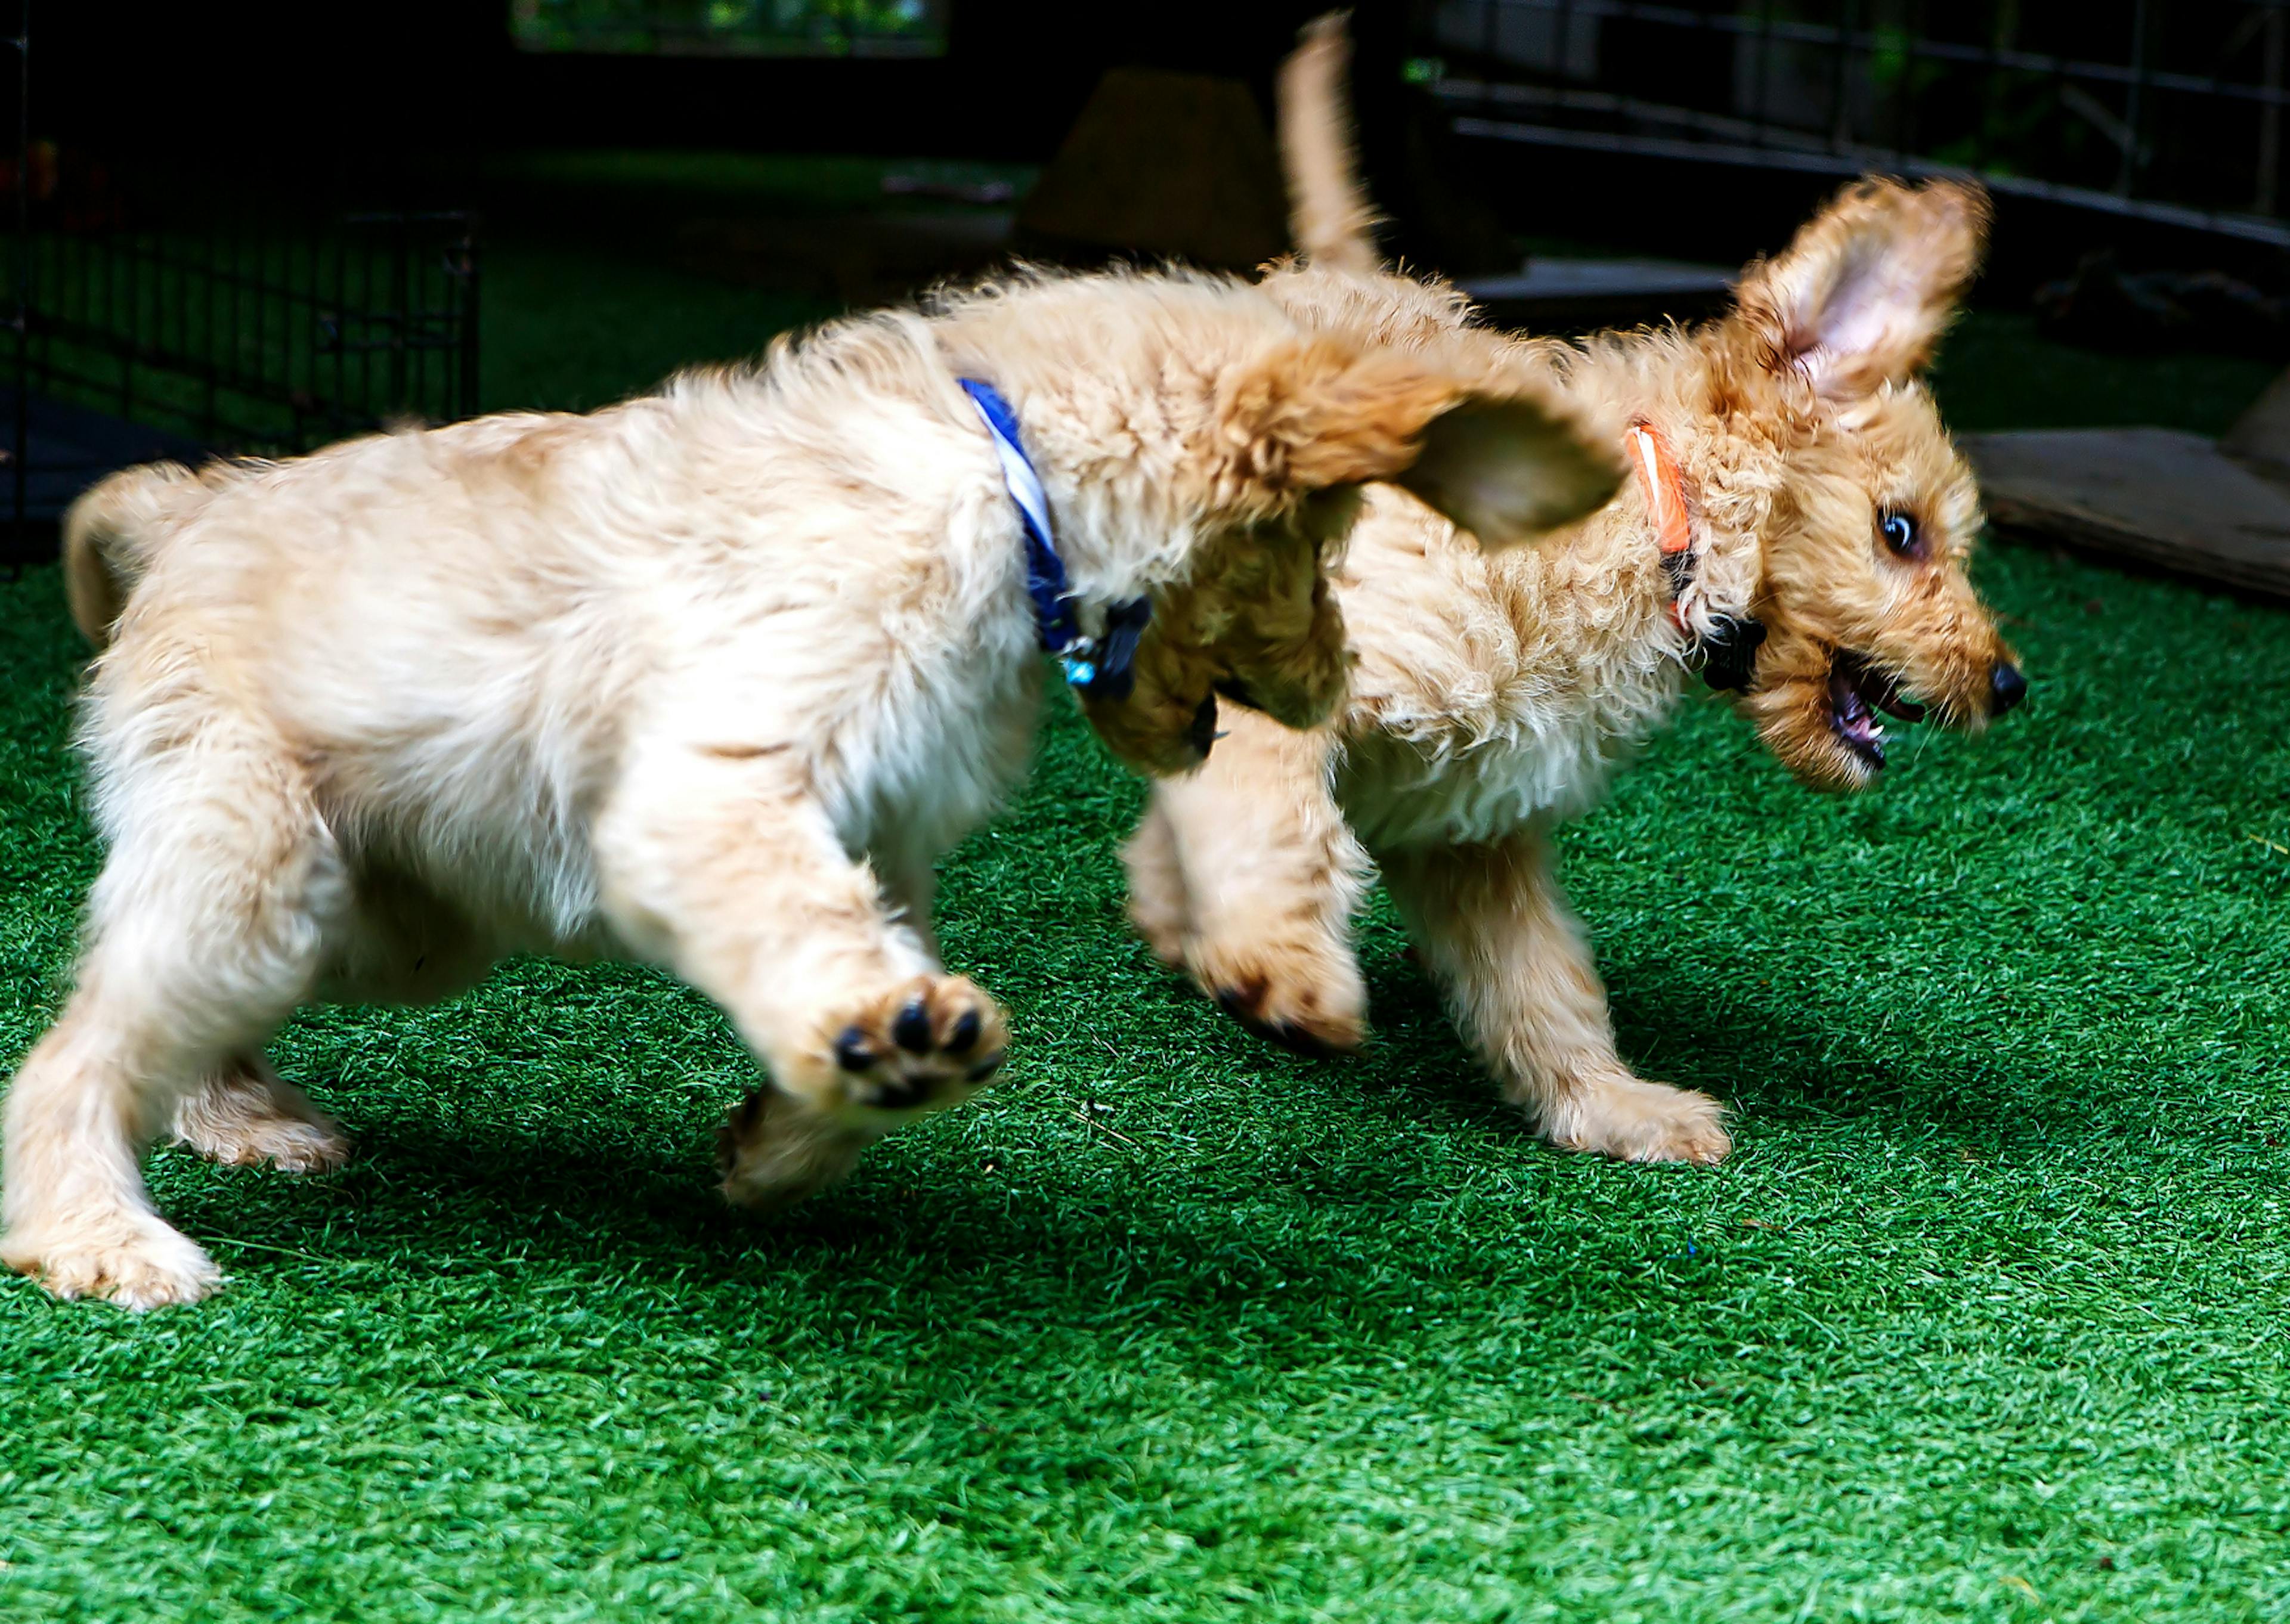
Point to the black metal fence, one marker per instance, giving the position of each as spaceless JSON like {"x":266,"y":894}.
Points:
{"x":2168,"y":111}
{"x":192,"y":302}
{"x":252,"y":332}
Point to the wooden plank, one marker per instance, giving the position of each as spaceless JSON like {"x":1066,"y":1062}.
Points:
{"x":2157,"y":495}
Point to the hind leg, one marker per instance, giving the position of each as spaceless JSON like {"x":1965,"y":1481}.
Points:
{"x":1246,"y":873}
{"x":203,"y":933}
{"x":1494,"y":928}
{"x":393,"y":941}
{"x":242,"y":1114}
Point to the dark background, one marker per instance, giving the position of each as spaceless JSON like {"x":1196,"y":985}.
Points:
{"x":272,"y":88}
{"x":431,"y":72}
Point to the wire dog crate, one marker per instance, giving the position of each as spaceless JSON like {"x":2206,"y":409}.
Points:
{"x":2169,"y":112}
{"x":180,"y":309}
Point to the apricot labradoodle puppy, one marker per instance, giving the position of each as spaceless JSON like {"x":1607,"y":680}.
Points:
{"x":709,"y":679}
{"x":1796,"y":531}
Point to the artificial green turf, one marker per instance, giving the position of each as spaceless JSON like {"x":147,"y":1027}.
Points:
{"x":1984,"y":1319}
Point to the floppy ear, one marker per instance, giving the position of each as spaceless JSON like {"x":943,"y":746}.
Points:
{"x":1504,"y":466}
{"x":1861,"y":297}
{"x":1507,"y":469}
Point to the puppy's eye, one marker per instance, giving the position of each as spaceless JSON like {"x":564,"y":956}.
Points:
{"x":1900,"y":533}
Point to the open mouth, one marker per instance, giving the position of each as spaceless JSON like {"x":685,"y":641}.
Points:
{"x":1858,"y":691}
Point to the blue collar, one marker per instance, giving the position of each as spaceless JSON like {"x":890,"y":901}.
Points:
{"x":1101,"y":666}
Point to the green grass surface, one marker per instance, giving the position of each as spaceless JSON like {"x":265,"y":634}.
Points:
{"x":1983,"y":1321}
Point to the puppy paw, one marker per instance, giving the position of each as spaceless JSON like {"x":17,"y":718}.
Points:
{"x":773,"y":1150}
{"x":929,"y":1044}
{"x":287,"y":1143}
{"x":1312,"y":1002}
{"x":1635,"y":1121}
{"x":246,"y":1116}
{"x":133,"y":1259}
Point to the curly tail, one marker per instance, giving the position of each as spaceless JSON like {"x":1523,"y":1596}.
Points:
{"x":110,"y":533}
{"x":1328,"y":214}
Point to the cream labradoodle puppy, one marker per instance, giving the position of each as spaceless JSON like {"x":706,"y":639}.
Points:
{"x":709,"y":679}
{"x":1797,"y":531}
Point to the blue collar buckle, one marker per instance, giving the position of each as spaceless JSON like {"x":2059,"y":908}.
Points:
{"x":1101,"y":666}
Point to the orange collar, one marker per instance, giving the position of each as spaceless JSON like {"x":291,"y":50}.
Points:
{"x":1724,"y":653}
{"x":1662,"y":484}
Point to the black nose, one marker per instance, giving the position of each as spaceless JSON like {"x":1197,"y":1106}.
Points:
{"x":2006,"y":687}
{"x":1202,"y":735}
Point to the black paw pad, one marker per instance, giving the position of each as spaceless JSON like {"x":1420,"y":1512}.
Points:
{"x":985,"y":1069}
{"x":852,"y":1051}
{"x":911,"y":1031}
{"x":964,"y":1036}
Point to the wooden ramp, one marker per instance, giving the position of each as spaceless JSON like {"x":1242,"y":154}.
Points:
{"x":2154,"y":494}
{"x":2219,"y":510}
{"x":1162,"y":165}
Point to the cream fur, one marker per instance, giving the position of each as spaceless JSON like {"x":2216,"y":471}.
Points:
{"x":1495,"y":694}
{"x":711,"y":679}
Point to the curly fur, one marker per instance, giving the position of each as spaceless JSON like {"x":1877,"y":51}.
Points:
{"x":1495,"y":694}
{"x":709,"y":679}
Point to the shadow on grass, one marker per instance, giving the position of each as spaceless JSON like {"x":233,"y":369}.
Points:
{"x":924,"y":1245}
{"x":1755,"y":1060}
{"x":928,"y":1234}
{"x":611,"y":1198}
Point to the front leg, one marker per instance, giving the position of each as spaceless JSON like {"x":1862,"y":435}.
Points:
{"x":727,"y":869}
{"x":1244,"y":874}
{"x":1495,"y":930}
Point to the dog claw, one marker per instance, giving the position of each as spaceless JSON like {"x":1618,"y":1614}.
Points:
{"x":985,"y":1069}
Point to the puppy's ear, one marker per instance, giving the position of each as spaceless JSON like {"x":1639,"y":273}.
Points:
{"x":1504,"y":466}
{"x":1507,"y":467}
{"x":1861,"y":297}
